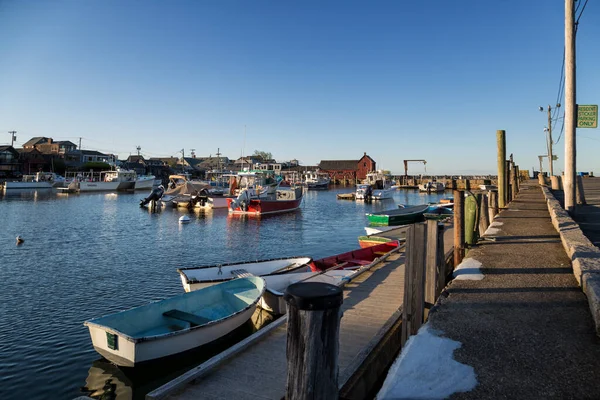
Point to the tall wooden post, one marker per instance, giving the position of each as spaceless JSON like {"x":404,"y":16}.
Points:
{"x":471,"y":210}
{"x":484,"y":219}
{"x":313,"y":311}
{"x":507,"y":183}
{"x":580,"y":192}
{"x":432,"y":266}
{"x":493,"y":205}
{"x":570,"y":109}
{"x":515,"y":181}
{"x":459,"y":226}
{"x":414,"y":276}
{"x":501,"y":143}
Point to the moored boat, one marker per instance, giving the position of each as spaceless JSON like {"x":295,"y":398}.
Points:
{"x":283,"y":200}
{"x":39,"y":180}
{"x":194,"y":278}
{"x":398,"y":216}
{"x":177,"y":324}
{"x":432,"y":186}
{"x":355,"y":258}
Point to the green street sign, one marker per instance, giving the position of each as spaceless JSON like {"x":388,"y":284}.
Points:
{"x":587,"y":116}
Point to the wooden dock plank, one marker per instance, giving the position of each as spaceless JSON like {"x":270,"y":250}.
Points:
{"x":259,"y":370}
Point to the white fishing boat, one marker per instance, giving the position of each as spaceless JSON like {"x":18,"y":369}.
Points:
{"x":432,"y":186}
{"x":145,"y":182}
{"x":317,"y":180}
{"x":194,"y":278}
{"x":177,"y":324}
{"x":376,"y":186}
{"x":39,"y":180}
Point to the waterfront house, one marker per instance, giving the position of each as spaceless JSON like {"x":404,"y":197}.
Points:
{"x":9,"y":162}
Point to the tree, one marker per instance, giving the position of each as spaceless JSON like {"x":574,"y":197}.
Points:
{"x":266,"y":156}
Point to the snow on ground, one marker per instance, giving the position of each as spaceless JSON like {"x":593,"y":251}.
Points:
{"x":425,"y":369}
{"x":469,"y":269}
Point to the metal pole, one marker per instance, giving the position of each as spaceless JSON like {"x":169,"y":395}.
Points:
{"x":570,"y":109}
{"x":12,"y":137}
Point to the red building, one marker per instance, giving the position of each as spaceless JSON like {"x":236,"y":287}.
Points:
{"x":348,"y":171}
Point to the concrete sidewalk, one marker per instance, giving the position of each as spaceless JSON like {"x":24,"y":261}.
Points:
{"x":525,"y":328}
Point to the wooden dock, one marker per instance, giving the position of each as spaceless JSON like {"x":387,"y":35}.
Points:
{"x":256,"y":369}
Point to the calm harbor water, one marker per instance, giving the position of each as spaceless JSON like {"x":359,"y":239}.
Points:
{"x":89,"y":255}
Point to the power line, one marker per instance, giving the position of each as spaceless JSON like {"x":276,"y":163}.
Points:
{"x":582,"y":10}
{"x":562,"y":128}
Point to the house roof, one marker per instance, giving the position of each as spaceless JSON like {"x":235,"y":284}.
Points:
{"x":65,"y":143}
{"x":35,"y":140}
{"x":332,"y":165}
{"x":192,"y":162}
{"x":135,"y":159}
{"x":89,"y":153}
{"x":9,"y":148}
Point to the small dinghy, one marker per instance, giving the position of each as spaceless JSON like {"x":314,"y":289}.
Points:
{"x":184,"y":219}
{"x":194,"y":278}
{"x":177,"y":324}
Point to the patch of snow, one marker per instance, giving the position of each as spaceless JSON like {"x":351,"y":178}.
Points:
{"x":425,"y":369}
{"x":493,"y":228}
{"x":469,"y":269}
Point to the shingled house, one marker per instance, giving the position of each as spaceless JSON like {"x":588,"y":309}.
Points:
{"x":348,"y":171}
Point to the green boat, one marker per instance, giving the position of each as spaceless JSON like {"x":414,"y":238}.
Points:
{"x":398,"y":216}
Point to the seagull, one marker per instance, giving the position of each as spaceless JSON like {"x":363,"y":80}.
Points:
{"x":20,"y":239}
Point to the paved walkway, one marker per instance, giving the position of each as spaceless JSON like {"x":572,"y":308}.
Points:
{"x":525,"y":330}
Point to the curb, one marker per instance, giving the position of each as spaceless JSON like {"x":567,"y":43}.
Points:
{"x":585,"y":257}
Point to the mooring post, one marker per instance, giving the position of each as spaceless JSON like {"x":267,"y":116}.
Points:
{"x":432,"y":266}
{"x":313,"y":312}
{"x":484,"y":220}
{"x":471,"y":210}
{"x":508,"y":198}
{"x":501,"y":144}
{"x":459,"y":226}
{"x":580,"y":193}
{"x":414,"y":277}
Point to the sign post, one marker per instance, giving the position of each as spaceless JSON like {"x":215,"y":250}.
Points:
{"x":587,"y":116}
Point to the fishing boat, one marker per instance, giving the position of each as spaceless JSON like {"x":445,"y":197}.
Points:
{"x":355,"y":258}
{"x":398,"y":216}
{"x":194,"y":278}
{"x":316,"y":180}
{"x":283,"y":200}
{"x":108,"y":181}
{"x":432,"y":186}
{"x":39,"y":180}
{"x":381,"y":182}
{"x":177,"y":324}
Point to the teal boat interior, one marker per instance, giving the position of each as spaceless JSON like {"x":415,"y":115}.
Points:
{"x":185,"y":311}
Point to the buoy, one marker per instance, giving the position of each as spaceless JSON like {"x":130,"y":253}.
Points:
{"x":184,"y":219}
{"x":20,"y":239}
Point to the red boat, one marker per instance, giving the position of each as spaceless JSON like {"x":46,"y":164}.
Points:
{"x":282,"y":200}
{"x":355,"y":258}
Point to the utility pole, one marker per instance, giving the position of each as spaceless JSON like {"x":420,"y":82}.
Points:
{"x":138,"y":150}
{"x":79,"y":144}
{"x":570,"y":109}
{"x":549,"y":140}
{"x":12,"y":137}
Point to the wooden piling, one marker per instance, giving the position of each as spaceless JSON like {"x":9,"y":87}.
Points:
{"x":414,"y":275}
{"x":508,"y":197}
{"x":515,"y":181}
{"x":484,"y":214}
{"x":459,"y":226}
{"x":432,"y":266}
{"x":580,"y":193}
{"x":493,"y":205}
{"x":471,"y":212}
{"x":313,"y":311}
{"x":501,"y":144}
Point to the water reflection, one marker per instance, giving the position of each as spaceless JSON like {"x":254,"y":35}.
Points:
{"x":107,"y":381}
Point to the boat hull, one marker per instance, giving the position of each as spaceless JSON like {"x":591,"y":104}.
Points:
{"x":283,"y":201}
{"x":398,"y":216}
{"x":175,"y":325}
{"x":196,"y":278}
{"x":28,"y":185}
{"x":144,"y":184}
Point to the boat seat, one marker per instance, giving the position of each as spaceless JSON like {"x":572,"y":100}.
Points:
{"x":240,"y":273}
{"x":193,"y":319}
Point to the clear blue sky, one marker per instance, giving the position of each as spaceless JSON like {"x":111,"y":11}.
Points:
{"x":310,"y":80}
